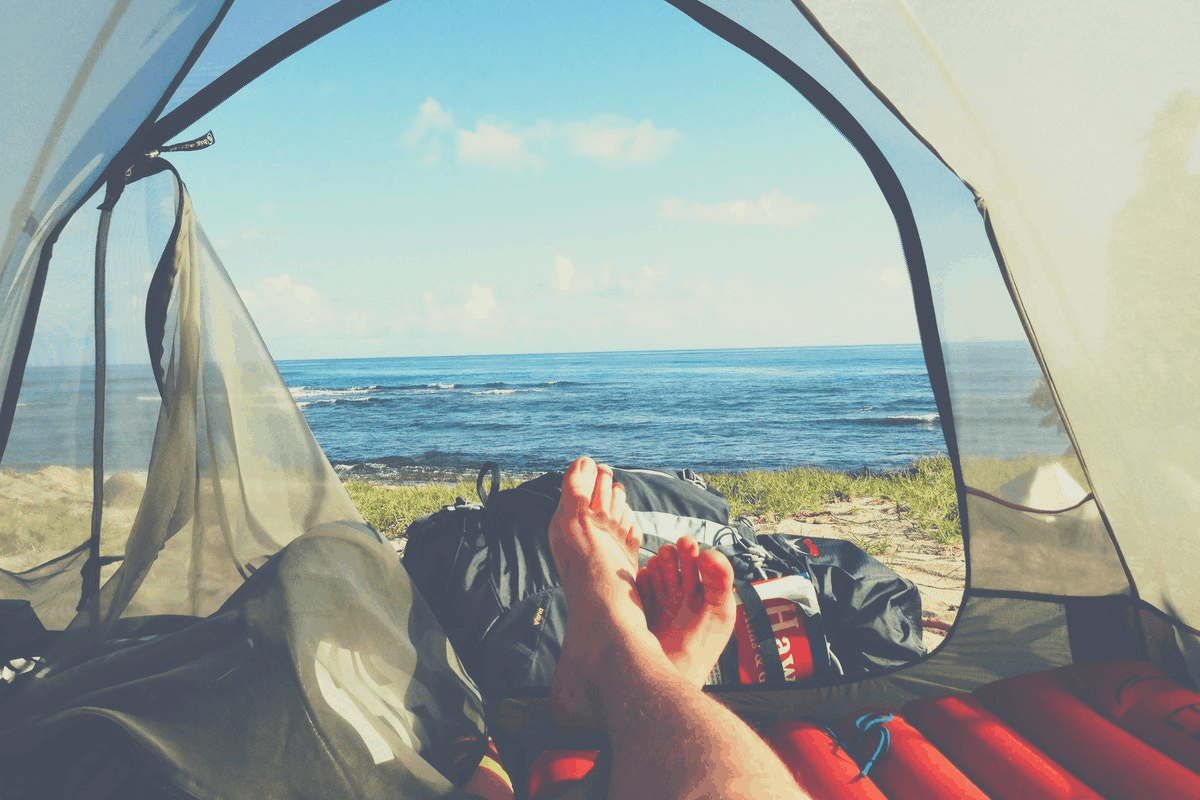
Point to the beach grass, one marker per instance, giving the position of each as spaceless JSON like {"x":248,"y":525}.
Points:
{"x":390,"y":509}
{"x":923,"y":491}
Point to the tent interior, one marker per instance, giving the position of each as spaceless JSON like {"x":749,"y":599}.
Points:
{"x":238,"y":588}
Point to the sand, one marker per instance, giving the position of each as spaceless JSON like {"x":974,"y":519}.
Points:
{"x":46,"y":513}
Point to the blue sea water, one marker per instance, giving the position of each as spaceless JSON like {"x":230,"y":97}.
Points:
{"x":400,"y":419}
{"x":834,"y":407}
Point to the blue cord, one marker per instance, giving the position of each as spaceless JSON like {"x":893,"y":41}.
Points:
{"x":874,"y":721}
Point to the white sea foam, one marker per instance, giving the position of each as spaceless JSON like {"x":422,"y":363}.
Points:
{"x":930,"y":418}
{"x":332,"y":401}
{"x":299,"y":392}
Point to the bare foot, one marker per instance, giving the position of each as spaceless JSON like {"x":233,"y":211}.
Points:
{"x":690,"y":608}
{"x":594,"y":542}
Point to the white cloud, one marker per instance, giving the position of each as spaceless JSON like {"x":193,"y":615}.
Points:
{"x":431,"y":119}
{"x":617,"y":140}
{"x":253,"y":239}
{"x":476,"y":311}
{"x":493,"y":146}
{"x":280,"y":305}
{"x":504,"y":145}
{"x":563,"y":270}
{"x":425,"y":134}
{"x":480,"y":303}
{"x":567,"y":279}
{"x":775,"y":210}
{"x":645,"y":281}
{"x":893,"y":277}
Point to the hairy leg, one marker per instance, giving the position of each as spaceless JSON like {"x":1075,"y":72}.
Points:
{"x":688,"y":597}
{"x":669,"y":739}
{"x":591,"y":535}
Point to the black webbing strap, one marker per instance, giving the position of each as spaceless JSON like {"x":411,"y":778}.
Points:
{"x":91,"y":567}
{"x":492,"y":468}
{"x":115,"y":187}
{"x":727,"y":664}
{"x":760,"y":629}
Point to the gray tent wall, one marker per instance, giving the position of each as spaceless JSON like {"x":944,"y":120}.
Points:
{"x":1068,"y":134}
{"x":253,"y":637}
{"x":1038,"y":116}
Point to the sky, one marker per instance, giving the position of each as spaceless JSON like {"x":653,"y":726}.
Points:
{"x":467,"y":177}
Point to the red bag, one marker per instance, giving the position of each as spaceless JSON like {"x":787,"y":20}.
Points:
{"x":777,"y":636}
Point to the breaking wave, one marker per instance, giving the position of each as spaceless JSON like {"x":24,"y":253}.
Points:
{"x":903,"y":419}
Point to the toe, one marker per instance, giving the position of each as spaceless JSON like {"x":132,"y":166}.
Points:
{"x":630,"y":533}
{"x":653,"y":578}
{"x":689,"y":577}
{"x":602,"y":492}
{"x":668,"y":564}
{"x":579,"y":482}
{"x":716,"y":576}
{"x":620,"y":499}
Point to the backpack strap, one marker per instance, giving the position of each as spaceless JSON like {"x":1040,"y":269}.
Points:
{"x":760,"y":628}
{"x":494,"y":469}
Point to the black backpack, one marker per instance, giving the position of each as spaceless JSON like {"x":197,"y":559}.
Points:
{"x":486,"y":570}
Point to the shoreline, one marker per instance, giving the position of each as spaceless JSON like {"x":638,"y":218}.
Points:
{"x":392,"y":471}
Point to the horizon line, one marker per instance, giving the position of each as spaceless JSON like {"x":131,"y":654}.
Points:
{"x":632,"y":352}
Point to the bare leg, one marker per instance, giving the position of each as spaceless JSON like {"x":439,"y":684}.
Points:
{"x":594,"y":544}
{"x":669,"y":739}
{"x":688,"y":597}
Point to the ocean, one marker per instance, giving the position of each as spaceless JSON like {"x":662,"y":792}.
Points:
{"x":844,"y":408}
{"x":411,"y":419}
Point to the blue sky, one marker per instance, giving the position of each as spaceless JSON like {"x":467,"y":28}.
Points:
{"x":468,"y":177}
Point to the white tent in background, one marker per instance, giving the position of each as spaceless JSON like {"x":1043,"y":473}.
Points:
{"x":1070,"y":131}
{"x":1047,"y":486}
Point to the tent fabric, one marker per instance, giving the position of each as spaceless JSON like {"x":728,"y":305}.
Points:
{"x":320,"y":677}
{"x":288,"y":619}
{"x":211,"y":516}
{"x":1063,"y":554}
{"x":1075,"y":128}
{"x":79,"y":85}
{"x":1049,"y":129}
{"x":233,"y":473}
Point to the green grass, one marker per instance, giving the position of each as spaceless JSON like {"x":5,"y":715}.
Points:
{"x":924,"y":492}
{"x":390,"y":509}
{"x":53,"y":527}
